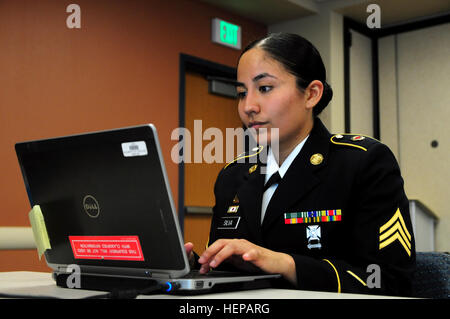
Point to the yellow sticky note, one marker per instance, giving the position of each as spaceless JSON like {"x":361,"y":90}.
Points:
{"x":39,"y":230}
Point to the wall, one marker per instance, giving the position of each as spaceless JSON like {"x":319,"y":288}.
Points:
{"x":414,"y":111}
{"x":324,"y":31}
{"x":361,"y":84}
{"x":121,"y":68}
{"x":389,"y":122}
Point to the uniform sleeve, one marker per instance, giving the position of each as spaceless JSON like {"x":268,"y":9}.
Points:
{"x":381,"y":249}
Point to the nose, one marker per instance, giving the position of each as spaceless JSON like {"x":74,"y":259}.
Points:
{"x":250,"y":104}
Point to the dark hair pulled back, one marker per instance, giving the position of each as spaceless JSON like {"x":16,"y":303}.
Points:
{"x":300,"y":58}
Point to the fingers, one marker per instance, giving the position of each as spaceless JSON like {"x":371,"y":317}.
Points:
{"x":226,"y":252}
{"x":207,"y":256}
{"x":259,"y":257}
{"x":211,"y":251}
{"x":189,"y":247}
{"x":204,"y":269}
{"x":221,"y":250}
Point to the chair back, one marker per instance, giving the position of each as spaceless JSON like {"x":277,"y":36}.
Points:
{"x":431,"y":279}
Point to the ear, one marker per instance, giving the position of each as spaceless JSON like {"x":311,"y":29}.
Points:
{"x":314,"y":93}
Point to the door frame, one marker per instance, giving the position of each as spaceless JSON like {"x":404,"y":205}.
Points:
{"x":205,"y":67}
{"x":375,"y":35}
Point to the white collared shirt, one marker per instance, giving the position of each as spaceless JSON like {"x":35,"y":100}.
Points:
{"x":271,"y":168}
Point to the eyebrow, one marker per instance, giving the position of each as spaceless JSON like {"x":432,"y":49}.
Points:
{"x":257,"y":78}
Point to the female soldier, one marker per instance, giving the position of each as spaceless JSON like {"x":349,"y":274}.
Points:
{"x":336,"y":218}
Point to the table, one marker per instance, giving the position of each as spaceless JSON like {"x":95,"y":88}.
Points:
{"x":34,"y":284}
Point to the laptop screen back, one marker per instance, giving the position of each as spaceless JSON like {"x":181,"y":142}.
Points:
{"x":105,"y":199}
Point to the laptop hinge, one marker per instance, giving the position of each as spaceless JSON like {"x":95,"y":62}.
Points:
{"x":155,"y":274}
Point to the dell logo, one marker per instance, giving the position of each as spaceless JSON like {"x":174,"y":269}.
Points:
{"x":91,"y":206}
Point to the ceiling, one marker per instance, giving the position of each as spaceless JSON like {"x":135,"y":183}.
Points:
{"x":263,"y":11}
{"x":393,"y":12}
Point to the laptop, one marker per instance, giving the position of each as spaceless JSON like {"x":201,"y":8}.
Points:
{"x":107,"y":206}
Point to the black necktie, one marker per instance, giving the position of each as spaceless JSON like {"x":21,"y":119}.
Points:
{"x":274,"y":179}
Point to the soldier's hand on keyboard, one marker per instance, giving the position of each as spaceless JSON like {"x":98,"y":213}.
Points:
{"x":265,"y":259}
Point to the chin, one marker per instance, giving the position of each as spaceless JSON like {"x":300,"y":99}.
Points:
{"x":264,"y":136}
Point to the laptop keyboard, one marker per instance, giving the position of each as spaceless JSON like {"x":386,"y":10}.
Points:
{"x":212,"y":274}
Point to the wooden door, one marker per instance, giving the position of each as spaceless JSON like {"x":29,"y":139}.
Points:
{"x":213,"y":111}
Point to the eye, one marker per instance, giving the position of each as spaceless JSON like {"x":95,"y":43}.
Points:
{"x":265,"y":88}
{"x":241,"y":94}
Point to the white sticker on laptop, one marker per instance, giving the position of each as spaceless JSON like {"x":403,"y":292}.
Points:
{"x":132,"y":149}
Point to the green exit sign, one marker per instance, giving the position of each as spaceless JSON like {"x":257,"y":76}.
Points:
{"x":226,"y":33}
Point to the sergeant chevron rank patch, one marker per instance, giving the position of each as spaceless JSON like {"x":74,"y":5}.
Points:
{"x":395,"y":229}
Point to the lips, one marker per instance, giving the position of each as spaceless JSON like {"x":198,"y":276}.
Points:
{"x":256,"y":124}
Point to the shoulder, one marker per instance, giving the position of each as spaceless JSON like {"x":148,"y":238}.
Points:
{"x":354,"y":141}
{"x":354,"y":148}
{"x":365,"y":152}
{"x":240,"y":168}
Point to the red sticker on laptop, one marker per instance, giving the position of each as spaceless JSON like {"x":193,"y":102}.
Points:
{"x":106,"y":247}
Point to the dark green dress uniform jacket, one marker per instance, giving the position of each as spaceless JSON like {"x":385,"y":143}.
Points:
{"x":352,"y":189}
